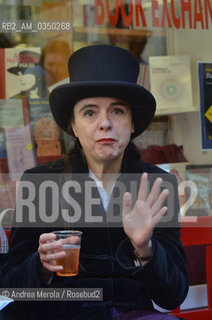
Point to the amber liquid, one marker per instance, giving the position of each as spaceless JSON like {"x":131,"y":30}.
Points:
{"x":70,"y":262}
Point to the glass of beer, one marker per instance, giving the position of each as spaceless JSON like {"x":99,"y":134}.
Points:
{"x":71,"y":242}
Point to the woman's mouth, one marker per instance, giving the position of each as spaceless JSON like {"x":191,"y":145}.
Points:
{"x":106,"y":140}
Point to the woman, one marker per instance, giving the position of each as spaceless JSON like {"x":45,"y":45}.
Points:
{"x":32,"y":82}
{"x":131,"y":259}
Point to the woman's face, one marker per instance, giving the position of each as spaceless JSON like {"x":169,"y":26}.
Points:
{"x":27,"y":81}
{"x":103,"y":126}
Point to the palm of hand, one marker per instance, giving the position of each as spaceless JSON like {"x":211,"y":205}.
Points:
{"x":140,"y":221}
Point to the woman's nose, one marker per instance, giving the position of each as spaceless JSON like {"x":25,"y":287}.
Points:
{"x":105,"y":123}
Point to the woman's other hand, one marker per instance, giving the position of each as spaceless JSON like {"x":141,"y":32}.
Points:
{"x":140,"y":221}
{"x":47,"y":251}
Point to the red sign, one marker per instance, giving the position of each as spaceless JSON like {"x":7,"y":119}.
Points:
{"x":198,"y":14}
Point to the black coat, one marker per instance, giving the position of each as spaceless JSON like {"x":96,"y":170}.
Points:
{"x":106,"y":261}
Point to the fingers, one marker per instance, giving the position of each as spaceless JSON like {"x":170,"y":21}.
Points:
{"x":144,"y":185}
{"x":160,"y":201}
{"x":159,"y":215}
{"x":48,"y":261}
{"x":51,"y":267}
{"x":155,"y":198}
{"x":152,"y":196}
{"x":127,"y":199}
{"x":47,"y":237}
{"x":50,"y":251}
{"x":149,"y":204}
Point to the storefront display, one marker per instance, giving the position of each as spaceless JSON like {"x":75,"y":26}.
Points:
{"x":171,"y":40}
{"x":37,"y":38}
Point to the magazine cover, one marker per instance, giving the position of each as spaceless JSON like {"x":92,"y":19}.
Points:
{"x":170,"y":81}
{"x":205,"y":91}
{"x":7,"y":194}
{"x":201,"y":178}
{"x":19,"y":148}
{"x":46,"y":135}
{"x":21,"y":73}
{"x":11,"y":113}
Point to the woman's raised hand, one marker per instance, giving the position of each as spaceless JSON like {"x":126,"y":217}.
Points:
{"x":140,"y":221}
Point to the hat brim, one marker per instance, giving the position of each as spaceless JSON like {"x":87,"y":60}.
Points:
{"x":14,"y":70}
{"x":143,"y":105}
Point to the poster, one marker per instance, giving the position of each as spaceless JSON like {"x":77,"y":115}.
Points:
{"x":21,"y":74}
{"x":205,"y":91}
{"x":170,"y":81}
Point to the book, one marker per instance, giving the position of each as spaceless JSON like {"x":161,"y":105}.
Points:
{"x":199,"y":194}
{"x":144,"y":78}
{"x":205,"y":91}
{"x":21,"y":73}
{"x":11,"y":113}
{"x":47,"y":138}
{"x":3,"y":154}
{"x":3,"y":166}
{"x":170,"y":82}
{"x":7,"y":194}
{"x":20,"y":153}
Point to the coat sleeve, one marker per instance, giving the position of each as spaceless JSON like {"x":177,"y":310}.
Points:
{"x":164,"y":275}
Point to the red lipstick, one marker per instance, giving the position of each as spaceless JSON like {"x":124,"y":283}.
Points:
{"x":106,"y":140}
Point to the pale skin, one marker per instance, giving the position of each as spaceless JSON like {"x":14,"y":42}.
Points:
{"x":103,"y":126}
{"x":27,"y":81}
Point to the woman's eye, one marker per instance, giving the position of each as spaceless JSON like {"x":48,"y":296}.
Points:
{"x":118,"y":111}
{"x":89,"y":113}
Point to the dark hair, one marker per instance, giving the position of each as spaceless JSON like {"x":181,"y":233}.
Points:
{"x":75,"y":155}
{"x":72,"y":157}
{"x":75,"y":150}
{"x":69,"y":118}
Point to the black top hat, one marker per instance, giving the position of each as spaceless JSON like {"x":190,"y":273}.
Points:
{"x":103,"y":71}
{"x":26,"y":59}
